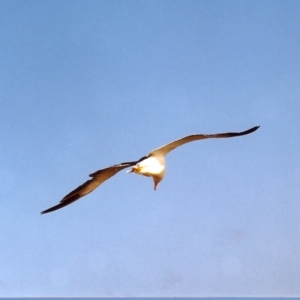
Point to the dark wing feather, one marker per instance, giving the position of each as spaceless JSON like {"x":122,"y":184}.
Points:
{"x":87,"y":187}
{"x":164,"y":150}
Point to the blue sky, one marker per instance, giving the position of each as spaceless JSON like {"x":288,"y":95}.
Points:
{"x":88,"y":84}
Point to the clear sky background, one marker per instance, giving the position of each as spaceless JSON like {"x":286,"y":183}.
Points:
{"x":88,"y":84}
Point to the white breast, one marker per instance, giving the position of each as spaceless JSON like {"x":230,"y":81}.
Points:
{"x":152,"y":166}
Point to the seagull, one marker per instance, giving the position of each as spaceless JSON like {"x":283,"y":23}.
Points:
{"x":152,"y":165}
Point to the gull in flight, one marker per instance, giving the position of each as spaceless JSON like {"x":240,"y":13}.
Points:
{"x":152,"y":165}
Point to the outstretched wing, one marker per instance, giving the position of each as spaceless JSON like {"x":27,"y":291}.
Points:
{"x":164,"y":150}
{"x":84,"y":189}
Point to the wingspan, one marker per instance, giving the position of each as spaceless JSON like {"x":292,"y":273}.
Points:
{"x":100,"y":176}
{"x":164,"y":150}
{"x":87,"y":187}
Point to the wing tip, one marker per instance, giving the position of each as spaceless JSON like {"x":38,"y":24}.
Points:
{"x":46,"y":211}
{"x":64,"y":202}
{"x":53,"y":208}
{"x":253,"y":129}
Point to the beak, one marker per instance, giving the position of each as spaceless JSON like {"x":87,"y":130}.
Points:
{"x":135,"y":169}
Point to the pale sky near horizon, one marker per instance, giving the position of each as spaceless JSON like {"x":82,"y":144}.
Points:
{"x":88,"y":84}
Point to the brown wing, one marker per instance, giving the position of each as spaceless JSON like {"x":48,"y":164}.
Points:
{"x":164,"y":150}
{"x":84,"y":189}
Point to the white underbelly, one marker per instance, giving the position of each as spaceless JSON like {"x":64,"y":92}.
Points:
{"x":152,"y":166}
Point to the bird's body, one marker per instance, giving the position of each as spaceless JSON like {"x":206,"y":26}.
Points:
{"x":152,"y":165}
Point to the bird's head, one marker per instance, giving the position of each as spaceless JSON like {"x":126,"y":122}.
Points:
{"x":135,"y":169}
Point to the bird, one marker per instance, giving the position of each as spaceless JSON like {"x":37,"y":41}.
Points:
{"x":152,"y":165}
